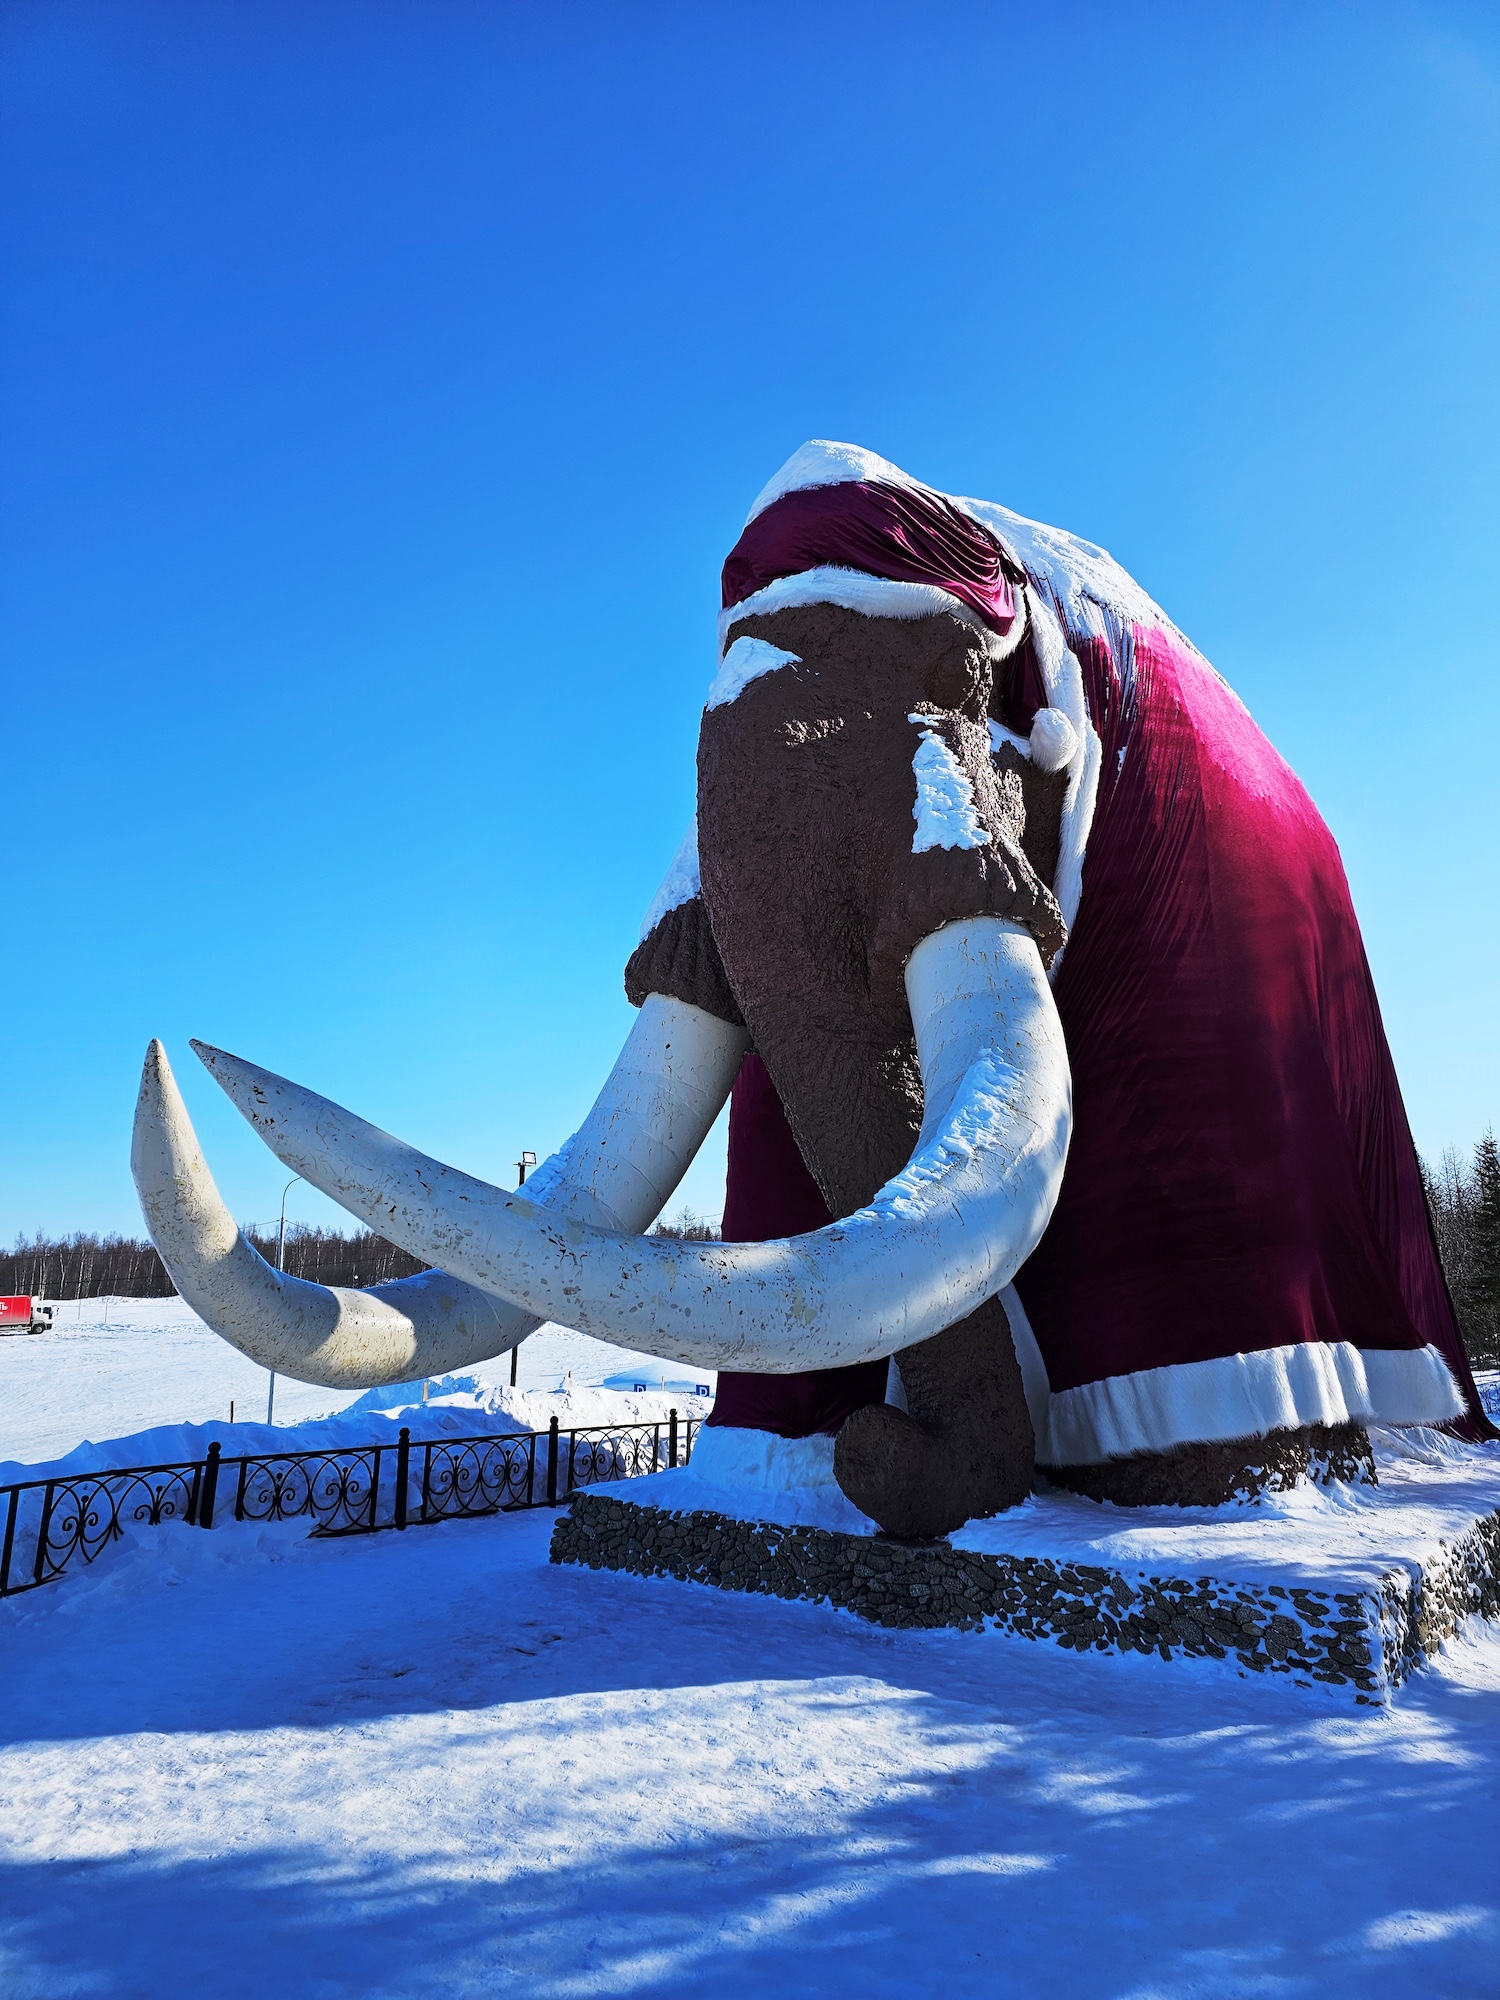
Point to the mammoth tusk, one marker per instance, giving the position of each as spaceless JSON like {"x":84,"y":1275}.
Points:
{"x":341,"y":1339}
{"x":937,"y":1240}
{"x":668,"y":1085}
{"x":618,"y":1170}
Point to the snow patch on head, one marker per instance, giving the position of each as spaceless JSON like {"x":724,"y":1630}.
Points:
{"x":680,"y":883}
{"x":822,"y":462}
{"x":1094,"y":595}
{"x":944,"y":811}
{"x":746,"y":660}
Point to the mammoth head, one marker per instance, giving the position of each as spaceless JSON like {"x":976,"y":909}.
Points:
{"x":849,"y":806}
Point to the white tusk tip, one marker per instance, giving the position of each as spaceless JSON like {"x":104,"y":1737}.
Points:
{"x":225,"y":1069}
{"x":157,"y":1082}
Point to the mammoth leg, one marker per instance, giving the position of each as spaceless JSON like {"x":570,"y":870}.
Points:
{"x":962,"y":1448}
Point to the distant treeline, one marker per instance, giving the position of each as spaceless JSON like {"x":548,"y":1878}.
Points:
{"x":124,"y":1267}
{"x":1464,"y":1198}
{"x":120,"y":1267}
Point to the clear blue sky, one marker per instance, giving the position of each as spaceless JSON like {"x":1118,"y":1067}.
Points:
{"x":383,"y":385}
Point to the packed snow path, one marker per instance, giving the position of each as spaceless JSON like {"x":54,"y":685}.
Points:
{"x":432,"y":1764}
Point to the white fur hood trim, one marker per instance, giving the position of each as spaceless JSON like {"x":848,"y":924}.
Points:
{"x":875,"y":596}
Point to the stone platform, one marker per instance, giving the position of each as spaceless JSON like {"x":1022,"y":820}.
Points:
{"x":1350,"y":1587}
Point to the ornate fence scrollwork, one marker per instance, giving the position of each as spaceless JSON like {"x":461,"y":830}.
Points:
{"x":596,"y":1457}
{"x":52,"y":1523}
{"x":462,"y":1477}
{"x":339,"y":1490}
{"x":48,"y":1526}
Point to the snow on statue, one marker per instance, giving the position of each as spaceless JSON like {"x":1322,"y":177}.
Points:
{"x":1063,"y":1127}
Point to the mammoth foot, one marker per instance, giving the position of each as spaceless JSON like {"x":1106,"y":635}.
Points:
{"x":1208,"y":1475}
{"x":963,"y":1448}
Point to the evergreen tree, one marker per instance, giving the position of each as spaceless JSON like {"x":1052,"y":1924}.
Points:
{"x":1454,"y":1196}
{"x":1484,"y":1242}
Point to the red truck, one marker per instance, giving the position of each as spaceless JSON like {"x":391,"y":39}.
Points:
{"x":24,"y":1315}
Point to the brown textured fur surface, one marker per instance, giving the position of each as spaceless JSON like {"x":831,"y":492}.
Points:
{"x":1042,"y":795}
{"x":805,"y":825}
{"x":1208,"y":1475}
{"x":678,"y":958}
{"x":962,"y":1448}
{"x":805,"y":816}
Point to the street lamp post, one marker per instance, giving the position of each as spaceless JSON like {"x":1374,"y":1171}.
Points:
{"x":526,"y":1160}
{"x":281,"y":1266}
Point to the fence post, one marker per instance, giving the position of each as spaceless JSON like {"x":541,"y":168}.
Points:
{"x":552,"y":1462}
{"x":41,"y":1538}
{"x":671,"y":1440}
{"x":10,"y":1539}
{"x":403,"y":1464}
{"x":209,"y":1488}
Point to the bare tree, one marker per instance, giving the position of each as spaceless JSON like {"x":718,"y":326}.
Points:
{"x":85,"y":1266}
{"x":688,"y":1225}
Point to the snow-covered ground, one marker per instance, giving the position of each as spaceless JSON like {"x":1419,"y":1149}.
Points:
{"x":143,"y":1382}
{"x":246,"y":1762}
{"x":431,"y":1764}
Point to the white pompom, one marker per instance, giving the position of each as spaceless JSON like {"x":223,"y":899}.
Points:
{"x":1054,"y":740}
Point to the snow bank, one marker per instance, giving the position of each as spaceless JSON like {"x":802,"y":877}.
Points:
{"x":144,"y":1382}
{"x":753,"y":1476}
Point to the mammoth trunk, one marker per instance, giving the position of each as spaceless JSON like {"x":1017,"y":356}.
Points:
{"x":830,"y":848}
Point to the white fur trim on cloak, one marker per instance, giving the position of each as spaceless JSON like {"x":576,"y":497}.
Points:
{"x":1244,"y":1395}
{"x":875,"y":596}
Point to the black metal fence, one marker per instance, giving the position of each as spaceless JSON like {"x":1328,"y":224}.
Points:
{"x":50,"y":1524}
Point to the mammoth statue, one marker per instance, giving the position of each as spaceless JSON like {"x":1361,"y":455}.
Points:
{"x":1063,"y":1134}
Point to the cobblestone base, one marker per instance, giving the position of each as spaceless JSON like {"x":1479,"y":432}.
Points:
{"x":1365,"y":1640}
{"x":1415,"y":1614}
{"x":1211,"y":1475}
